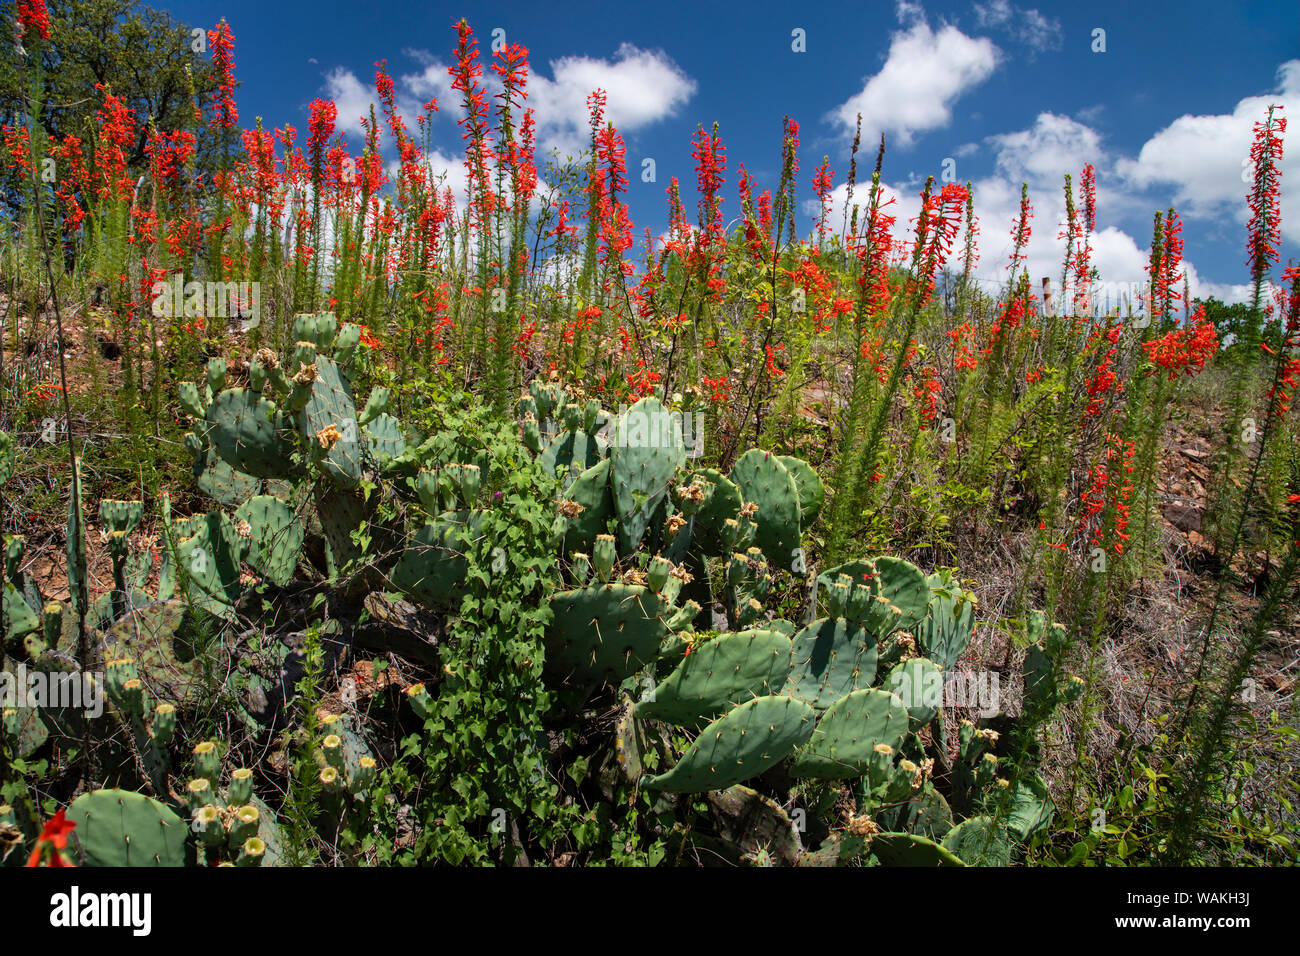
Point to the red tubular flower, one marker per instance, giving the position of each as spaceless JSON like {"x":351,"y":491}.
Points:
{"x":1082,"y":267}
{"x":224,"y":114}
{"x":18,"y":144}
{"x":1264,"y":230}
{"x":52,"y":843}
{"x":117,"y":134}
{"x":478,"y":149}
{"x":33,"y":17}
{"x":936,"y":228}
{"x":1184,"y":351}
{"x":320,"y":127}
{"x":1021,"y":231}
{"x":167,"y":153}
{"x":822,"y":184}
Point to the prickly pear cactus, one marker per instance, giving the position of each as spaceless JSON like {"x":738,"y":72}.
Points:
{"x":729,"y":670}
{"x":121,"y":828}
{"x":748,"y":740}
{"x":764,"y":481}
{"x":603,"y":633}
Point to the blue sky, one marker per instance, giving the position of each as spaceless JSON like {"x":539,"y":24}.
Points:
{"x":1007,"y":91}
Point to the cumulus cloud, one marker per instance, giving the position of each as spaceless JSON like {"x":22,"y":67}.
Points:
{"x":352,"y":97}
{"x":1029,"y":27}
{"x":924,"y":74}
{"x":643,"y":87}
{"x":1041,"y":155}
{"x":1205,"y":157}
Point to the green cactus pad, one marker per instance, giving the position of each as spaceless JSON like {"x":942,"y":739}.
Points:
{"x":1040,"y":673}
{"x":192,"y":400}
{"x":575,"y":451}
{"x":220,"y":482}
{"x":645,"y":451}
{"x":247,"y":432}
{"x":376,"y":405}
{"x":604,"y":633}
{"x":121,"y":828}
{"x":275,"y":539}
{"x":387,"y":438}
{"x":26,"y":729}
{"x":331,"y":404}
{"x":847,"y":733}
{"x":341,"y":513}
{"x":888,"y":594}
{"x":121,"y":516}
{"x":767,"y":483}
{"x":209,"y":563}
{"x":592,"y":491}
{"x":431,"y":571}
{"x":149,"y":637}
{"x":812,"y":493}
{"x":1031,"y":808}
{"x":910,"y":849}
{"x":831,"y":660}
{"x":945,"y":633}
{"x":724,"y":502}
{"x":919,"y":684}
{"x":925,"y":814}
{"x":728,"y":670}
{"x":748,"y":740}
{"x":19,"y":618}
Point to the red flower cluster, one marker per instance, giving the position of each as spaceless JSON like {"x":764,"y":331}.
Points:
{"x":936,"y":228}
{"x":927,"y":392}
{"x":1109,"y":485}
{"x":1184,"y":351}
{"x":225,"y":113}
{"x":52,"y":843}
{"x":34,"y":17}
{"x":1104,"y":380}
{"x":1265,"y":226}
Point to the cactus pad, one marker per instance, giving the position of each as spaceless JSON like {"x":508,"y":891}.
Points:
{"x":745,"y":742}
{"x":728,"y":670}
{"x":121,"y":828}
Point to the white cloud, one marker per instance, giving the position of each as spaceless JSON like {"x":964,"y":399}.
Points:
{"x":643,"y":87}
{"x":1053,"y":146}
{"x":352,"y":98}
{"x":925,"y":73}
{"x":1202,"y":157}
{"x":1041,"y":155}
{"x":1025,"y":26}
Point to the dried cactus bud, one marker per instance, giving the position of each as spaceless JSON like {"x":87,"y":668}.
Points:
{"x":862,"y":826}
{"x":328,"y":437}
{"x":570,"y":509}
